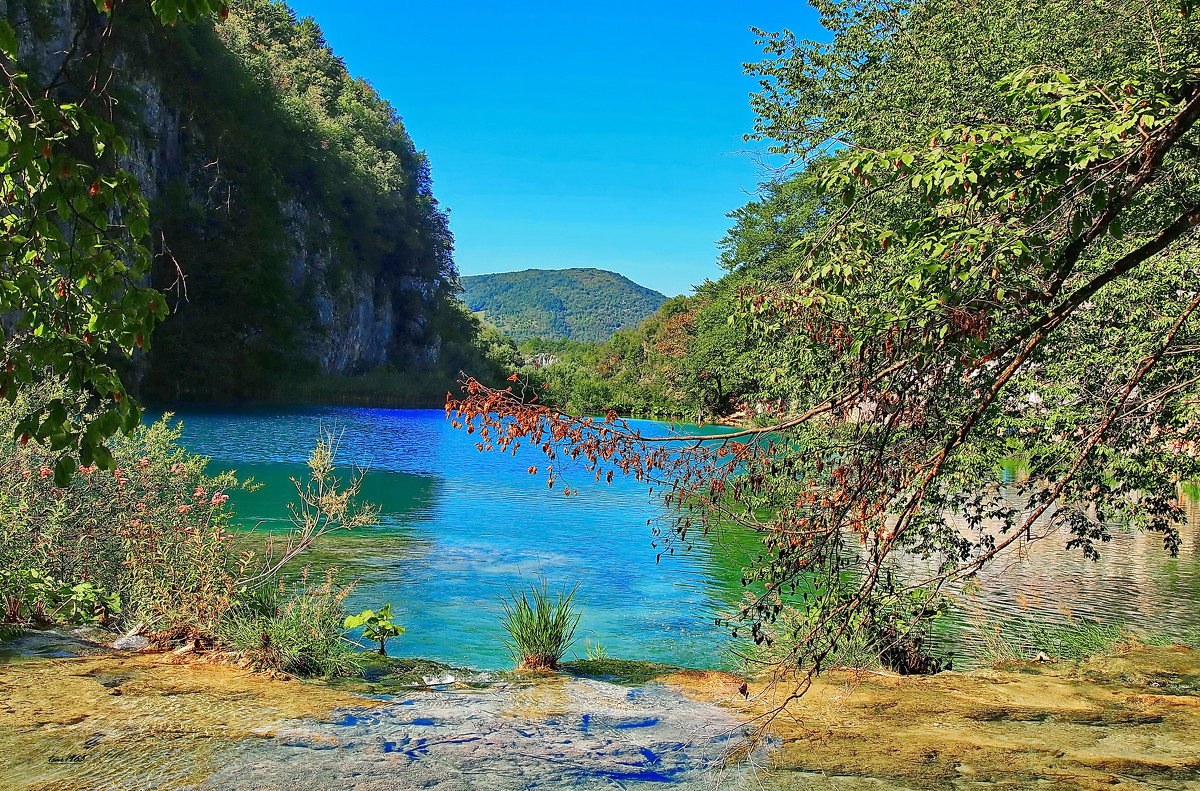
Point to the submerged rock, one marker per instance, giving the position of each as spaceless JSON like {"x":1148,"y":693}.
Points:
{"x":145,"y":721}
{"x":563,"y":733}
{"x":51,"y":644}
{"x":1125,"y":723}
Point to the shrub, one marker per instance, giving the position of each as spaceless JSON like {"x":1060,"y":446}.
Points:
{"x":894,"y":636}
{"x":153,"y":532}
{"x":297,"y":631}
{"x":150,"y":542}
{"x":29,"y":596}
{"x":540,"y":628}
{"x":795,"y":641}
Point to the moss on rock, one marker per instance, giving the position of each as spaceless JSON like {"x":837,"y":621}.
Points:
{"x":618,"y":671}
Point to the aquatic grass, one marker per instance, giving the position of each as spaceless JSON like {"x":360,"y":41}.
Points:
{"x":540,"y":627}
{"x":1023,"y":639}
{"x":596,"y":652}
{"x":1188,"y":637}
{"x":1080,"y":640}
{"x":302,"y":636}
{"x":620,"y":671}
{"x":994,"y":644}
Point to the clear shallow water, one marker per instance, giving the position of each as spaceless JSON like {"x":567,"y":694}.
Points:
{"x":460,"y":527}
{"x":572,"y":734}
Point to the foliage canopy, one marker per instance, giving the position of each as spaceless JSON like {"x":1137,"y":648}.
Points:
{"x":74,"y":247}
{"x":999,"y":260}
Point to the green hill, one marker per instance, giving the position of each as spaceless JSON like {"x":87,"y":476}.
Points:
{"x":574,"y":304}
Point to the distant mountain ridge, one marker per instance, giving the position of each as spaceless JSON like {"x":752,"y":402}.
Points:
{"x":560,"y":304}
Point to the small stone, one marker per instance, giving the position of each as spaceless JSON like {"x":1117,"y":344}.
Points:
{"x":130,"y":643}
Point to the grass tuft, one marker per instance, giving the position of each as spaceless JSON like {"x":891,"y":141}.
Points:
{"x":540,"y":627}
{"x":298,"y":632}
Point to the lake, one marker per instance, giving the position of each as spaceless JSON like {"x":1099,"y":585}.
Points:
{"x":460,"y":529}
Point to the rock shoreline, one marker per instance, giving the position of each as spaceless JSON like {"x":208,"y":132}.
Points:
{"x":1129,"y":721}
{"x":76,"y":716}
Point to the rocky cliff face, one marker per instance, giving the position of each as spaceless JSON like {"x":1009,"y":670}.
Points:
{"x":352,"y":326}
{"x":268,"y":273}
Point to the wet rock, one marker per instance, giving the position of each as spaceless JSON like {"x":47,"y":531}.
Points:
{"x":92,"y":634}
{"x":130,"y":643}
{"x":548,"y":733}
{"x":1073,"y":726}
{"x":1100,"y":724}
{"x":207,"y":727}
{"x":47,"y":644}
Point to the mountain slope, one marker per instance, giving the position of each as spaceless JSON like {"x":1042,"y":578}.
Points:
{"x":574,"y":304}
{"x":294,"y":216}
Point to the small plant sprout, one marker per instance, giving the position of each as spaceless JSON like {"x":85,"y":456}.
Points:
{"x":376,"y":626}
{"x":596,"y":652}
{"x":540,"y":628}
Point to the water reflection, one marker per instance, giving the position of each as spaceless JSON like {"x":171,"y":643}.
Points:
{"x":460,"y":528}
{"x":1135,"y":583}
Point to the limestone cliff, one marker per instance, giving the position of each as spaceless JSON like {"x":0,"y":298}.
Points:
{"x":295,"y":225}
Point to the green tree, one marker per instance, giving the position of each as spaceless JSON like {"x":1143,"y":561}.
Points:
{"x":1003,"y":262}
{"x":74,"y":246}
{"x":377,"y":626}
{"x":1008,"y":269}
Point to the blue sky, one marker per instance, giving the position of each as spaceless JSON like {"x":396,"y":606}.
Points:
{"x":563,"y":134}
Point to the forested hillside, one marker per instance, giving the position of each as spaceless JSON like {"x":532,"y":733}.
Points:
{"x":296,"y":232}
{"x":586,"y":305}
{"x":690,"y":359}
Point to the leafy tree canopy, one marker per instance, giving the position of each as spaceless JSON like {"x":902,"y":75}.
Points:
{"x":1002,"y":262}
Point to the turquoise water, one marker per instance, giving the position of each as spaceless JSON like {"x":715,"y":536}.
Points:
{"x":460,"y":528}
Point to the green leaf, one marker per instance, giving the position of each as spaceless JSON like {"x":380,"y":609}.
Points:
{"x":8,"y":40}
{"x":64,"y":468}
